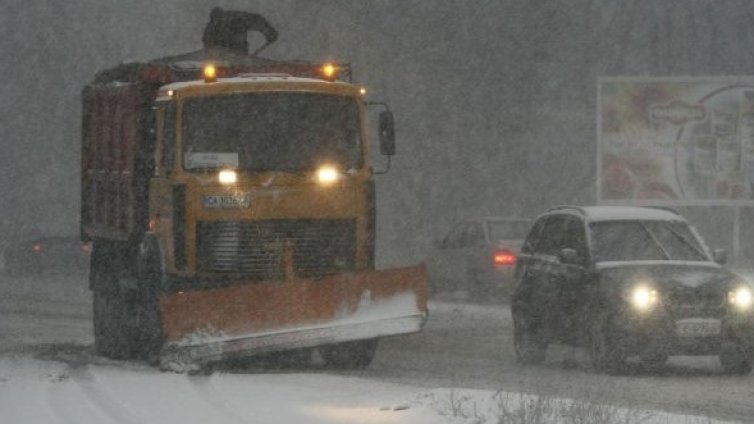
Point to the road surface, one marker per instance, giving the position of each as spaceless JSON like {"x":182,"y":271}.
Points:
{"x":463,"y":345}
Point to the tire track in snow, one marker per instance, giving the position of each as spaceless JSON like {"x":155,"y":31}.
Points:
{"x":205,"y":389}
{"x":93,"y":391}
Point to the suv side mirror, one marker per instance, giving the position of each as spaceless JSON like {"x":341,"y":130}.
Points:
{"x":568,"y":256}
{"x":387,"y":133}
{"x":720,"y":256}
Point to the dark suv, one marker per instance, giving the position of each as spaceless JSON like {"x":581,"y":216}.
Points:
{"x":625,"y":281}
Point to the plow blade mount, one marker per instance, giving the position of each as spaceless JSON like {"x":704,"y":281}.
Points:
{"x":244,"y":319}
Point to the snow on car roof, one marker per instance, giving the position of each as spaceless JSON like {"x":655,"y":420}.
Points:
{"x":619,"y":213}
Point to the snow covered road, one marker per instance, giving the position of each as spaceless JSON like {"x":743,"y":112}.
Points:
{"x":456,"y":371}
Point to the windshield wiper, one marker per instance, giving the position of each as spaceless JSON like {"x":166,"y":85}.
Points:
{"x":685,"y":241}
{"x":657,"y":242}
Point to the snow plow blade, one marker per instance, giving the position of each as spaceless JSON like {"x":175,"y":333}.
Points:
{"x":245,"y":319}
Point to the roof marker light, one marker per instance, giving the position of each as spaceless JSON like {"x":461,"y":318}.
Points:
{"x":209,"y":72}
{"x":330,"y":71}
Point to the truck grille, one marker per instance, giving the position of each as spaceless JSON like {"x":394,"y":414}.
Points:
{"x":689,"y":302}
{"x":255,"y":249}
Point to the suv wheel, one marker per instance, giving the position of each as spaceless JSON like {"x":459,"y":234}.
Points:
{"x":604,"y":350}
{"x":530,"y":347}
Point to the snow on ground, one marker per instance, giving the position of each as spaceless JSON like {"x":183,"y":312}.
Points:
{"x":48,"y":375}
{"x":58,"y":391}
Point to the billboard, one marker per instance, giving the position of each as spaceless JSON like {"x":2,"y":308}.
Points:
{"x":675,"y":141}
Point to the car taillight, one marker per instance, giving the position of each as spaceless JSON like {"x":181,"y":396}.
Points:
{"x":37,"y":247}
{"x":503,"y":258}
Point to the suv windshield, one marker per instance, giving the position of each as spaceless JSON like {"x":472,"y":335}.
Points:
{"x":645,"y":240}
{"x":271,"y":132}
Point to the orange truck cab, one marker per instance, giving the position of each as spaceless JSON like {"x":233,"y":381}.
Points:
{"x":232,"y":209}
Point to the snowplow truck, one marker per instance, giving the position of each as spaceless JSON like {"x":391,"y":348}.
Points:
{"x":231,"y":207}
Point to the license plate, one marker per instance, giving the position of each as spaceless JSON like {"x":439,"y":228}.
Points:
{"x":698,"y":327}
{"x":226,"y":201}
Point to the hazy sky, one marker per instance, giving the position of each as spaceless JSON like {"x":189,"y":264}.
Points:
{"x":494,"y":100}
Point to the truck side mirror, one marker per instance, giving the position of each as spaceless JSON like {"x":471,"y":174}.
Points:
{"x":387,"y":133}
{"x":720,"y":256}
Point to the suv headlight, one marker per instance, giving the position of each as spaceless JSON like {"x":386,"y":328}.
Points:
{"x":643,"y":297}
{"x":742,"y":298}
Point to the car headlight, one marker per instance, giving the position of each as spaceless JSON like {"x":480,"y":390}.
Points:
{"x":742,"y":298}
{"x":643,"y":297}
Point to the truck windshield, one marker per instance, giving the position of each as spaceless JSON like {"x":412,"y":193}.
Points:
{"x":645,"y":240}
{"x":271,"y":132}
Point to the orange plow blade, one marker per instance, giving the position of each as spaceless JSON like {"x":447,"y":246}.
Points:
{"x":250,"y":318}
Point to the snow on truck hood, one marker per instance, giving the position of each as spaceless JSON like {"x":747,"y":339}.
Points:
{"x":251,"y":78}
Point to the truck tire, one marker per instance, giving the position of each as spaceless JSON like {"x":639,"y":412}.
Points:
{"x":349,"y":355}
{"x":112,"y":335}
{"x":150,"y":283}
{"x":296,"y":358}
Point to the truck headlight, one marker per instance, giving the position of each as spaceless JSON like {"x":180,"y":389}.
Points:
{"x":327,"y":174}
{"x":742,"y":298}
{"x":227,"y":176}
{"x":644,"y":298}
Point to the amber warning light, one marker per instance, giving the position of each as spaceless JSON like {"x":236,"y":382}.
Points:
{"x":209,"y":72}
{"x":330,"y":71}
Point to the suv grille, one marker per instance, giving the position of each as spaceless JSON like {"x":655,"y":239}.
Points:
{"x":688,"y":302}
{"x":254,"y":249}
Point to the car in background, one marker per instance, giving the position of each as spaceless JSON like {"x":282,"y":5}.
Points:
{"x":31,"y":255}
{"x":628,"y":281}
{"x":477,"y":255}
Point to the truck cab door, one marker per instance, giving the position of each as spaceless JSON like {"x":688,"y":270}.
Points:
{"x":160,"y":189}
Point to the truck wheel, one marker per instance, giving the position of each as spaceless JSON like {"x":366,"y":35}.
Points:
{"x":349,"y":355}
{"x":150,"y":282}
{"x":735,"y":358}
{"x":604,"y":351}
{"x":530,"y":348}
{"x":297,"y":358}
{"x":112,"y":337}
